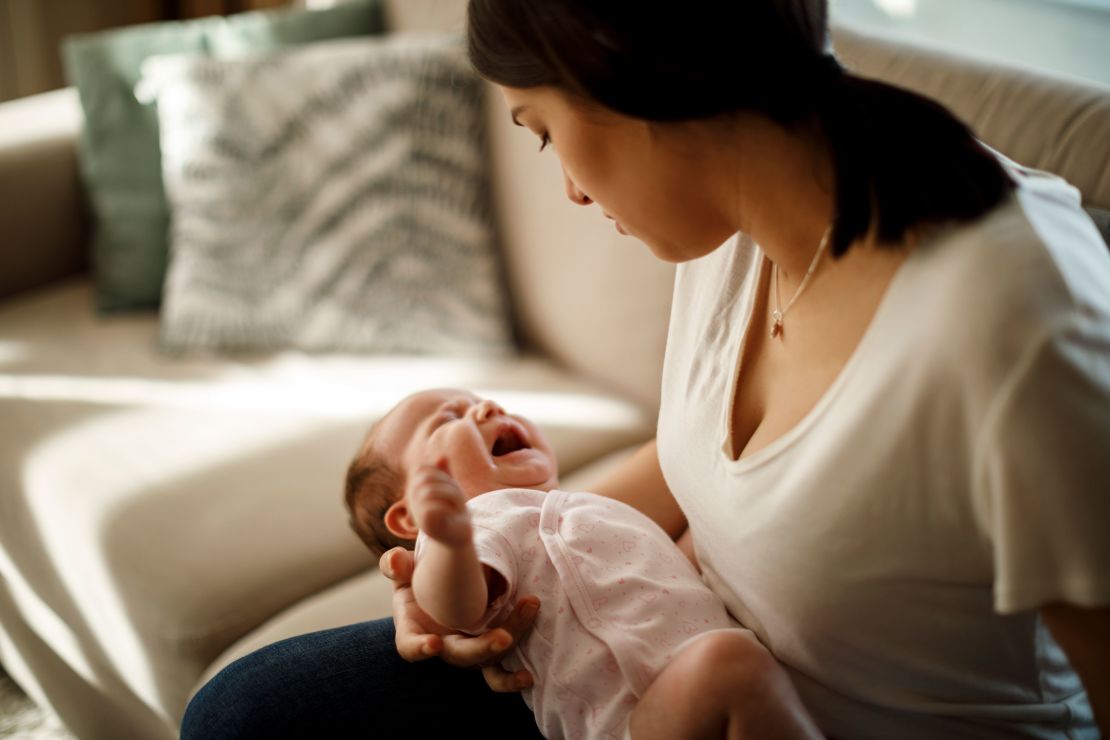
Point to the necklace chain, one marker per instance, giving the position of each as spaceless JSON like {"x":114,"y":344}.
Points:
{"x":780,"y":313}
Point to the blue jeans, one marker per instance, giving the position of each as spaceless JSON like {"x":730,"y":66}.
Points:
{"x":350,"y":682}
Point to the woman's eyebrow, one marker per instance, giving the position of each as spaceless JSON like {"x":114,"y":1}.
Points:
{"x":515,"y":111}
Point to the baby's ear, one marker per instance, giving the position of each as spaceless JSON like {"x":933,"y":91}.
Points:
{"x":398,"y":520}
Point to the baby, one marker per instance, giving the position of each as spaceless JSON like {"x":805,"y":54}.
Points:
{"x":627,"y":632}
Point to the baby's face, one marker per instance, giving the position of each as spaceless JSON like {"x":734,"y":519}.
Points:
{"x":486,"y":448}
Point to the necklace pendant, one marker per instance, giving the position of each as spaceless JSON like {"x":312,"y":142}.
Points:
{"x":776,"y":327}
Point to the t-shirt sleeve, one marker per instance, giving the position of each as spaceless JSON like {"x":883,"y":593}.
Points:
{"x":1043,"y":463}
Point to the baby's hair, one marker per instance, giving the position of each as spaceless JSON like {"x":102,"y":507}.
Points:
{"x":373,"y":485}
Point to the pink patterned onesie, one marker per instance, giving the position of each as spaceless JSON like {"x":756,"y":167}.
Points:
{"x":618,"y":601}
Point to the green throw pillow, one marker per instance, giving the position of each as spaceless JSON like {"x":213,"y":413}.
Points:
{"x":120,"y":157}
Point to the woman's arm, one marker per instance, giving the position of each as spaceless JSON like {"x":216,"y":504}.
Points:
{"x":1084,"y":634}
{"x":639,"y":482}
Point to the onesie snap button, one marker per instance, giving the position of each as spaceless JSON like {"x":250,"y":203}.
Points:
{"x":549,"y":529}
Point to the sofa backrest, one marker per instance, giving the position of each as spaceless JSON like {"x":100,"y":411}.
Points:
{"x":1049,"y":122}
{"x":43,"y":223}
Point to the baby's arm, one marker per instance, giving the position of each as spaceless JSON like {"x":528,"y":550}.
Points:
{"x":449,"y":583}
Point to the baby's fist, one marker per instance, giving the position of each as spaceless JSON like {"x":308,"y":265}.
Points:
{"x":439,"y":506}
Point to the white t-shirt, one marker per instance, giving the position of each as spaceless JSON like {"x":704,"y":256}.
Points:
{"x":893,"y":547}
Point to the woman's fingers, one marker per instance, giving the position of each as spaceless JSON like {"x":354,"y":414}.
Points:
{"x":466,"y":651}
{"x":488,"y":650}
{"x":506,"y":682}
{"x":415,"y":635}
{"x":413,"y":641}
{"x":418,"y":638}
{"x":396,"y":565}
{"x":522,"y":618}
{"x":416,"y":647}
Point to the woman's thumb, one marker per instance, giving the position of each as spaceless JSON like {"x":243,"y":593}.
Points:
{"x":396,"y":565}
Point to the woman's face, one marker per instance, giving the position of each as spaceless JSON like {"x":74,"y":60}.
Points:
{"x":652,"y":181}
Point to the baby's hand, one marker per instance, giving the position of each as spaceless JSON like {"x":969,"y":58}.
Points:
{"x":438,"y":506}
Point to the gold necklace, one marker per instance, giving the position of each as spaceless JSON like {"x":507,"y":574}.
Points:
{"x":778,"y":314}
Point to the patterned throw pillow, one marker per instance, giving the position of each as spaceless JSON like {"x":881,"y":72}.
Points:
{"x":331,"y":198}
{"x":120,"y":161}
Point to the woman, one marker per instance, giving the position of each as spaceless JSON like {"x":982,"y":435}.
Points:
{"x":886,"y":397}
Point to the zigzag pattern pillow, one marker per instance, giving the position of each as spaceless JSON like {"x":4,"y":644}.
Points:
{"x":330,"y":198}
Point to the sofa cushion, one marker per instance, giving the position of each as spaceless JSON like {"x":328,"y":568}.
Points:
{"x":158,"y":509}
{"x":120,"y":156}
{"x":330,"y":197}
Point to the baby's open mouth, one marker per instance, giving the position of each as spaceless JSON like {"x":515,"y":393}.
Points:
{"x":508,"y":440}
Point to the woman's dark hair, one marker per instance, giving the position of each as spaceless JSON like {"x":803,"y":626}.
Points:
{"x":901,"y":160}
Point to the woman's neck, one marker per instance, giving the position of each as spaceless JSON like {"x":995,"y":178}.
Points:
{"x":780,"y":189}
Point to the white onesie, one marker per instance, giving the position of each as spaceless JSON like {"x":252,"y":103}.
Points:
{"x":618,"y":600}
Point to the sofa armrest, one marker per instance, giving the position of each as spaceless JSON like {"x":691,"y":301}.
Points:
{"x":43,"y":222}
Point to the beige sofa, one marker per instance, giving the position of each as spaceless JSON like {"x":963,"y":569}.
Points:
{"x":160,"y":516}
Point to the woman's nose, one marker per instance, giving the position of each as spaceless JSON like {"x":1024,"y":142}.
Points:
{"x":485,"y":410}
{"x":575,"y":195}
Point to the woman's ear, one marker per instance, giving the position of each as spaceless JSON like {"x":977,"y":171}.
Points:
{"x":399,"y":521}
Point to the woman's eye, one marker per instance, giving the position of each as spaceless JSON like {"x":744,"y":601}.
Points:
{"x":544,"y":141}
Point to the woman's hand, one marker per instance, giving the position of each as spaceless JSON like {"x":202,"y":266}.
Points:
{"x":420,"y":637}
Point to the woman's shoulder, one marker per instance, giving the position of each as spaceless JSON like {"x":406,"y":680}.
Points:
{"x":984,"y":293}
{"x":1062,"y":233}
{"x":1066,"y":240}
{"x":1037,"y":254}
